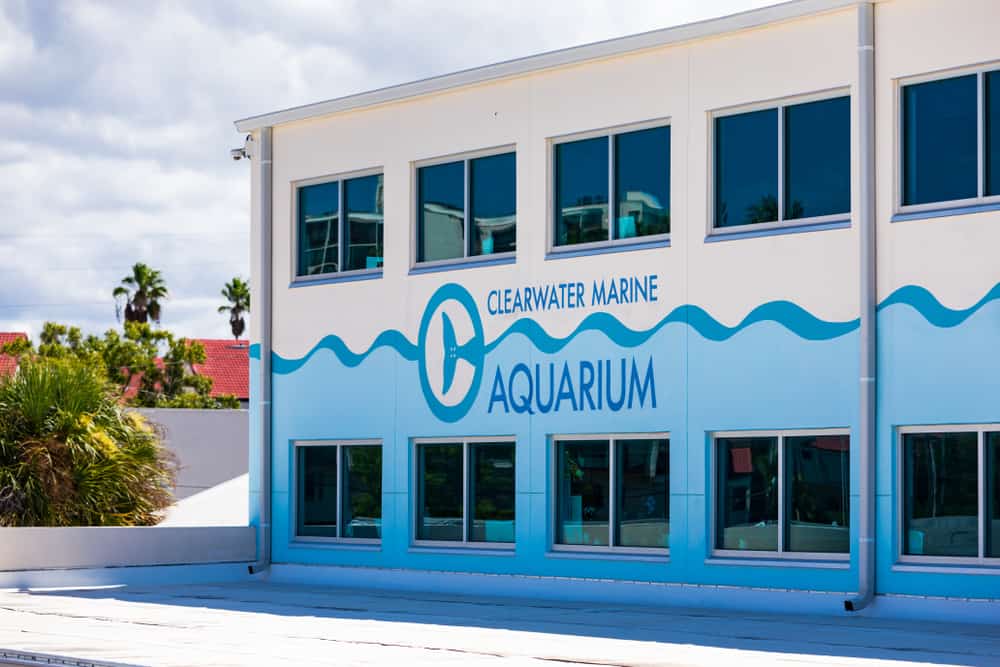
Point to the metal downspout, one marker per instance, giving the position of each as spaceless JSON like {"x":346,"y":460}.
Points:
{"x":867,"y":332}
{"x":263,"y":562}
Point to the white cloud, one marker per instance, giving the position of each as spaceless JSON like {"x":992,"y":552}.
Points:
{"x":118,"y":118}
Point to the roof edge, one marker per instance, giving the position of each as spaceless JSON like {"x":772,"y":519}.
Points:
{"x":617,"y":46}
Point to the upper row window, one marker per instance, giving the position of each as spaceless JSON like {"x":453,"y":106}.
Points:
{"x":948,"y":153}
{"x":631,"y":169}
{"x":782,"y":164}
{"x":321,"y":226}
{"x":467,"y":208}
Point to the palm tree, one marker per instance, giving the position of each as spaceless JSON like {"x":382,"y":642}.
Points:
{"x":141,"y":292}
{"x":237,"y":292}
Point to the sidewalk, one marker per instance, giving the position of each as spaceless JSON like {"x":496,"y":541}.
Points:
{"x":270,"y":624}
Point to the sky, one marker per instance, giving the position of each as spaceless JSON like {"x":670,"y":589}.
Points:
{"x":117,"y":120}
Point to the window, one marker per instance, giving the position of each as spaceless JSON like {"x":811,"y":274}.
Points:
{"x":951,"y":492}
{"x":613,"y":493}
{"x":638,"y":185}
{"x":783,"y":492}
{"x":465,"y":492}
{"x":950,"y":135}
{"x":784,"y":164}
{"x":321,"y":227}
{"x":467,"y":208}
{"x":338,"y":489}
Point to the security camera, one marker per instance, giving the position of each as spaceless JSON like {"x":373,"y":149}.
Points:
{"x":246,"y":152}
{"x":238,"y":154}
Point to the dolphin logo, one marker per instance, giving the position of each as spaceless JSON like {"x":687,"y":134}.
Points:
{"x":453,"y":352}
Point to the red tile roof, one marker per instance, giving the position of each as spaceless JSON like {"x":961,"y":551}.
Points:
{"x":227,"y":362}
{"x":8,"y":364}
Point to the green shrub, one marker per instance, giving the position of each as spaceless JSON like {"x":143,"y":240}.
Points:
{"x":72,"y":455}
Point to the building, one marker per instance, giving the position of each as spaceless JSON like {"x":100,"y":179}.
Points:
{"x":227,"y":362}
{"x":8,"y":362}
{"x":735,"y":329}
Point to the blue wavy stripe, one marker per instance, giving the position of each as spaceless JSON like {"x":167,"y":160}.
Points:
{"x":789,"y":315}
{"x":932,"y":310}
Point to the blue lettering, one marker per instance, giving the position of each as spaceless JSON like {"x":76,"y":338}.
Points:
{"x":615,"y":405}
{"x":648,"y":385}
{"x":587,"y":383}
{"x":523,"y":402}
{"x":544,"y":407}
{"x":565,"y":388}
{"x":498,"y":395}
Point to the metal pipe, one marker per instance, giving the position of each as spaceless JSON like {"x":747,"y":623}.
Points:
{"x":263,"y":301}
{"x":869,"y":296}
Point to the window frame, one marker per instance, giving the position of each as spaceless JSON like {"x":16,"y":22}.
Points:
{"x":780,"y":554}
{"x":611,"y":549}
{"x":331,"y":276}
{"x":713,"y":232}
{"x":295,"y":538}
{"x":554,"y":251}
{"x":981,"y":199}
{"x":982,"y":483}
{"x":465,"y":543}
{"x":466,"y":259}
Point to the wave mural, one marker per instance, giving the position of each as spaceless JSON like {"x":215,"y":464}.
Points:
{"x":789,"y":315}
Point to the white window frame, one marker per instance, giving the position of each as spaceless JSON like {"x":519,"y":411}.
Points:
{"x":779,"y":106}
{"x":466,"y":259}
{"x":980,"y":70}
{"x":982,"y":505}
{"x":296,"y":279}
{"x":781,"y":553}
{"x":294,"y":504}
{"x":465,"y":543}
{"x":611,"y":548}
{"x":610,"y":133}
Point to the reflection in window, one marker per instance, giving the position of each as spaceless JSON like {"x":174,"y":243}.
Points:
{"x":939,"y":140}
{"x":643,"y":481}
{"x":444,"y":483}
{"x":639,"y":485}
{"x":746,"y":168}
{"x":817,"y":158}
{"x":362,"y":503}
{"x":818,"y":473}
{"x":581,"y":172}
{"x":493,"y":199}
{"x":363,"y":207}
{"x":992,"y":128}
{"x":941,"y":476}
{"x":748,"y":489}
{"x":993,"y":495}
{"x":440,"y":497}
{"x":317,"y":475}
{"x":491,"y":490}
{"x":319,"y":229}
{"x":642,"y":183}
{"x":323,"y":471}
{"x":442,"y":211}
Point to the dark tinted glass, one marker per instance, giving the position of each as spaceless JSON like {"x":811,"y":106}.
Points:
{"x":642,"y":183}
{"x":584,"y":496}
{"x":317,"y":492}
{"x":362,"y":504}
{"x":442,"y":211}
{"x":746,"y":168}
{"x":818,"y":158}
{"x":941,"y":474}
{"x":363,"y":206}
{"x":581,"y":191}
{"x":939,"y":140}
{"x":319,"y":229}
{"x":818,"y":470}
{"x":993,"y":133}
{"x":993,"y":495}
{"x":643,"y":511}
{"x":491,"y":490}
{"x":440,"y":506}
{"x":493,"y":193}
{"x":748,"y":489}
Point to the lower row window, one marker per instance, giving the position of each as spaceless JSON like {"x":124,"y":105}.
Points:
{"x":613,"y":493}
{"x":465,"y":491}
{"x":783,"y":493}
{"x":951,"y":498}
{"x":339,"y":490}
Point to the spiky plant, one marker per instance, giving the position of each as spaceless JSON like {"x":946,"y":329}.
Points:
{"x":72,"y":455}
